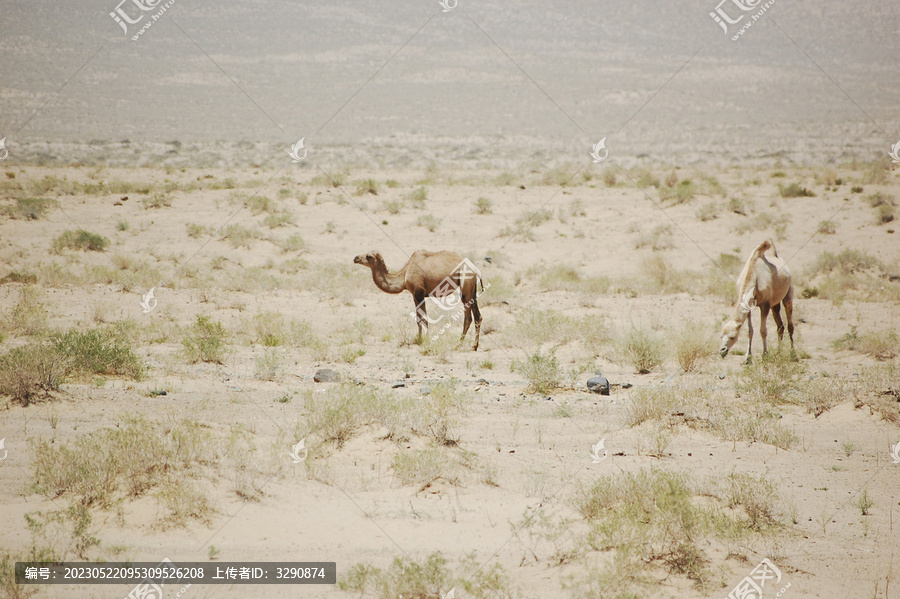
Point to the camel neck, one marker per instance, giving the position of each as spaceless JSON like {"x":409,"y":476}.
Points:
{"x":387,"y":282}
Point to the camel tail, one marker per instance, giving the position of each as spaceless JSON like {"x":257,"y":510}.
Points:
{"x":747,"y":273}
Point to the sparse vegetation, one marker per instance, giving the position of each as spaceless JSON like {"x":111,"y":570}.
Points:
{"x":642,"y":348}
{"x":794,"y":190}
{"x":429,"y":221}
{"x":30,"y":208}
{"x":365,"y":186}
{"x":483,"y":206}
{"x":541,"y":371}
{"x":205,"y":340}
{"x":79,"y":240}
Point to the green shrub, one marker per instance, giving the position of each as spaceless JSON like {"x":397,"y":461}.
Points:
{"x":98,"y":352}
{"x":28,"y":370}
{"x":102,"y":467}
{"x":794,"y":190}
{"x":15,"y":276}
{"x":542,"y":372}
{"x":643,"y":349}
{"x":79,"y":240}
{"x":418,"y":197}
{"x":205,"y":341}
{"x":157,"y":200}
{"x":483,"y":206}
{"x":367,"y":186}
{"x":30,"y":208}
{"x":882,"y":345}
{"x":429,"y":221}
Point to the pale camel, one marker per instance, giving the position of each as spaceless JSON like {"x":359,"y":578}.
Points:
{"x":430,"y":274}
{"x":764,"y":282}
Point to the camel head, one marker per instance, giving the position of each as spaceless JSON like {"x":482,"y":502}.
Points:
{"x":369,"y":259}
{"x":730,"y":332}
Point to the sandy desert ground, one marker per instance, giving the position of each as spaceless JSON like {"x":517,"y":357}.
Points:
{"x":430,"y":467}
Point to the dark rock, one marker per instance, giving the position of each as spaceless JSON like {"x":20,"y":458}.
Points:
{"x":598,"y":384}
{"x":326,"y":375}
{"x":398,"y":385}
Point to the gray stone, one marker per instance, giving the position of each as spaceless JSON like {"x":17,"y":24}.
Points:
{"x":326,"y":375}
{"x":598,"y":384}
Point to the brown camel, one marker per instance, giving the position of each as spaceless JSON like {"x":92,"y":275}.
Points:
{"x":764,"y":282}
{"x":431,"y":274}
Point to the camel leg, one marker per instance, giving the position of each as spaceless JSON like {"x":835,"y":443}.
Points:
{"x":749,"y":337}
{"x":467,"y":319}
{"x":477,"y":314}
{"x":776,"y":314}
{"x":788,"y":304}
{"x":763,"y":326}
{"x":421,"y":313}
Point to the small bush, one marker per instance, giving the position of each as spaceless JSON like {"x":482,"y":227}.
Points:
{"x":98,"y":352}
{"x":882,"y":345}
{"x":609,"y":176}
{"x":708,"y":212}
{"x":238,"y":236}
{"x":693,"y":346}
{"x":483,"y":206}
{"x":268,"y":365}
{"x":542,"y":372}
{"x":886,"y":213}
{"x":774,"y":378}
{"x":157,"y":200}
{"x":15,"y":276}
{"x":258,"y":204}
{"x":279,"y":219}
{"x":794,"y":190}
{"x":26,"y":371}
{"x":30,"y":208}
{"x":405,"y":578}
{"x":683,"y":192}
{"x":422,"y":467}
{"x":429,"y":221}
{"x":102,"y":467}
{"x":28,"y":316}
{"x":418,"y":197}
{"x":79,"y":240}
{"x":367,"y":186}
{"x":642,"y":349}
{"x":826,"y":227}
{"x":738,"y":206}
{"x":294,"y":243}
{"x":195,"y":231}
{"x":205,"y":341}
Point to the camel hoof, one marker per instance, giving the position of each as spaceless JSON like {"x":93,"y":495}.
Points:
{"x":749,"y":360}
